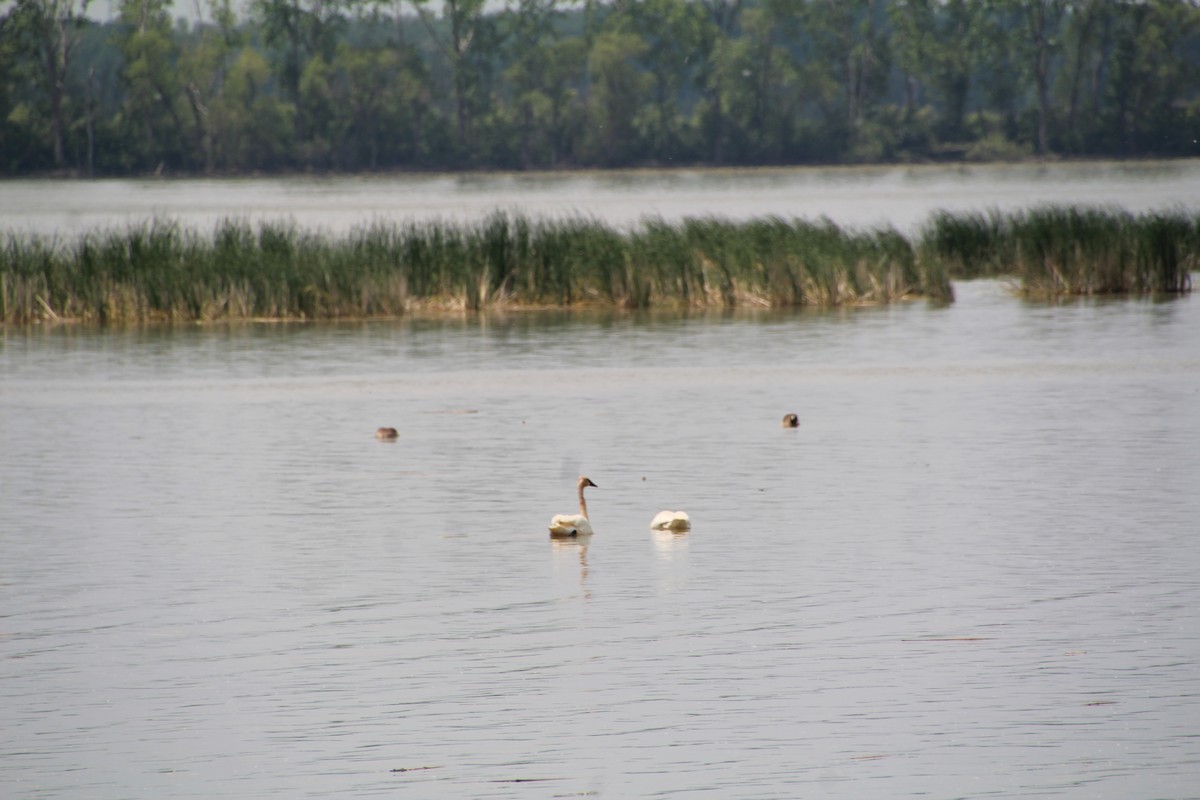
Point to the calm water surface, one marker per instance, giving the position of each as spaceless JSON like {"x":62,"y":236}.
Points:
{"x":973,"y":570}
{"x":902,"y":196}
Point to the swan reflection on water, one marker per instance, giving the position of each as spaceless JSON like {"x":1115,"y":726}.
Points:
{"x":565,"y":548}
{"x":670,"y":530}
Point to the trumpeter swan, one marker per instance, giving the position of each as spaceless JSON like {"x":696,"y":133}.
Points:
{"x":387,"y":433}
{"x":574,"y":524}
{"x":790,"y":421}
{"x":671,"y":521}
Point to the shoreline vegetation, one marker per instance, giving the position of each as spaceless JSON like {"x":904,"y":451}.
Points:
{"x":225,"y":87}
{"x":160,"y":271}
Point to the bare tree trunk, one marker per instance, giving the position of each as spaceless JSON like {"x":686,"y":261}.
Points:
{"x":864,"y":70}
{"x":461,"y":36}
{"x":1037,"y":15}
{"x":1085,"y":36}
{"x":91,"y":111}
{"x":852,"y":81}
{"x":200,"y":116}
{"x":459,"y":45}
{"x":56,"y":22}
{"x":724,"y":14}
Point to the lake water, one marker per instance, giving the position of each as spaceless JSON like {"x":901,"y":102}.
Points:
{"x":972,"y":571}
{"x":860,"y":197}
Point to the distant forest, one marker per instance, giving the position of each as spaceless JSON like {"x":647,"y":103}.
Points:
{"x":363,"y":85}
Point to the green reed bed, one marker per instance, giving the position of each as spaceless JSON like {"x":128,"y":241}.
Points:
{"x":1057,"y":250}
{"x":161,"y":271}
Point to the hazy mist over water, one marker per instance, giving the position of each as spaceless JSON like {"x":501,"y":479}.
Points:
{"x":857,"y":197}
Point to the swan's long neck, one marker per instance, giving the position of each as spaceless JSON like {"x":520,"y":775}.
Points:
{"x":582,"y":503}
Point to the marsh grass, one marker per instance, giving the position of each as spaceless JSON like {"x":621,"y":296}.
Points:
{"x":160,"y":271}
{"x":1055,"y":250}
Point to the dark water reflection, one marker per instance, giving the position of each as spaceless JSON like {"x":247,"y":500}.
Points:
{"x":971,"y":571}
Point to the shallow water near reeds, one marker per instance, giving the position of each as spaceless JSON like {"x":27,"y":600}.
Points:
{"x":972,"y":571}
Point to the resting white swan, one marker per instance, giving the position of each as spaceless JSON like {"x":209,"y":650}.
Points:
{"x":671,"y":521}
{"x":574,"y":524}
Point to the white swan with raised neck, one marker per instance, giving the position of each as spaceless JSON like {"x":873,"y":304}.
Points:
{"x":574,"y":524}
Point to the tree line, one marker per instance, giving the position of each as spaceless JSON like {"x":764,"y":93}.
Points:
{"x":360,"y":85}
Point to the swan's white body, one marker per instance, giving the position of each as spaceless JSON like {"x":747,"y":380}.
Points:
{"x":671,"y":521}
{"x":573,"y":524}
{"x":570,"y":525}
